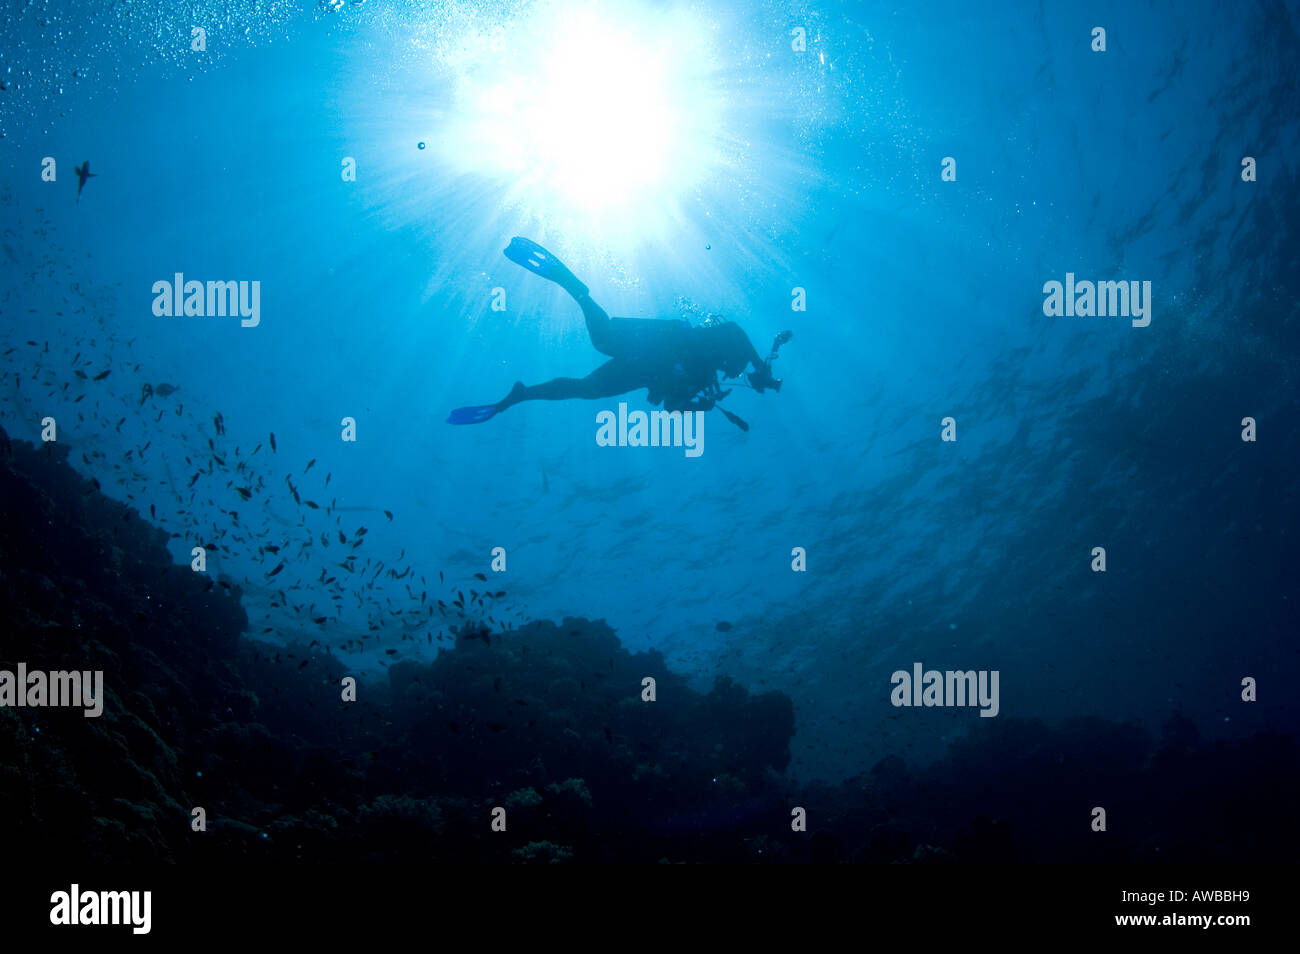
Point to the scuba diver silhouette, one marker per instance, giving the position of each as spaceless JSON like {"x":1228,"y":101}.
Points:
{"x":676,"y":362}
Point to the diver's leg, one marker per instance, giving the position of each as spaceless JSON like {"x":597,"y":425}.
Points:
{"x":611,"y":378}
{"x":528,"y":254}
{"x":599,"y":326}
{"x":539,"y":261}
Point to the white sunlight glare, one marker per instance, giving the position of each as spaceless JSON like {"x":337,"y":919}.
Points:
{"x":585,"y":115}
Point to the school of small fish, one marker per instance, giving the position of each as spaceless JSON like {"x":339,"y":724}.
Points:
{"x":158,"y":445}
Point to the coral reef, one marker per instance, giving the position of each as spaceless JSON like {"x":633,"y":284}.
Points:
{"x":546,"y":721}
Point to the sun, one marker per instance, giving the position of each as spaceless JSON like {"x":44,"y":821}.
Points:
{"x":605,"y":113}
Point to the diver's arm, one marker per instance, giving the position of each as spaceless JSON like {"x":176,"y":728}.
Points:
{"x":763,"y":366}
{"x":760,"y":379}
{"x":751,"y":353}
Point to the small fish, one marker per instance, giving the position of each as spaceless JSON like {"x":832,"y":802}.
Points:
{"x":724,"y":627}
{"x":102,"y":375}
{"x":273,"y":442}
{"x":163,"y":389}
{"x":480,"y":576}
{"x":276,"y":570}
{"x":389,"y":515}
{"x":83,"y":173}
{"x":244,"y":492}
{"x":310,"y":463}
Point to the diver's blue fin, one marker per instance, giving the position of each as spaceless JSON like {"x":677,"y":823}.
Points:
{"x":528,"y":254}
{"x":472,"y":415}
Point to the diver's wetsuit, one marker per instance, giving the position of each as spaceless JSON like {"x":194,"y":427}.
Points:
{"x":672,"y":359}
{"x":678,"y":364}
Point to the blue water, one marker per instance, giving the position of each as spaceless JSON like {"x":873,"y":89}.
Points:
{"x":822,"y":172}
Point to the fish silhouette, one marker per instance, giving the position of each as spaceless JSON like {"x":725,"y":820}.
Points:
{"x":83,"y":173}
